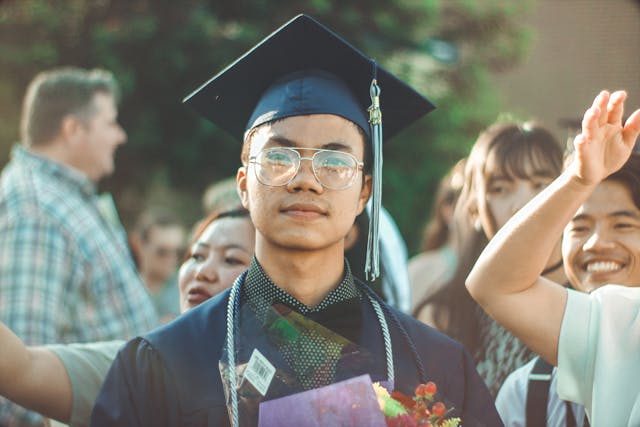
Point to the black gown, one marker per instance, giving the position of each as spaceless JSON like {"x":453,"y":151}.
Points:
{"x":170,"y":376}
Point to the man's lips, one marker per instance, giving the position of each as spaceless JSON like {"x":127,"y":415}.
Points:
{"x":304,"y":210}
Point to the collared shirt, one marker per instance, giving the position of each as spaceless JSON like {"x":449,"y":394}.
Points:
{"x":261,"y":292}
{"x":599,"y":354}
{"x":316,"y":347}
{"x":511,"y":401}
{"x":66,"y":273}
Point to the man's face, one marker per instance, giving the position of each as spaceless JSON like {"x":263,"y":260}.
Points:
{"x":601,"y":244}
{"x":304,"y":215}
{"x":99,"y":137}
{"x":161,"y":251}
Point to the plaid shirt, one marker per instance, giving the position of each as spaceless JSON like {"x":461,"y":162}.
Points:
{"x":66,"y":273}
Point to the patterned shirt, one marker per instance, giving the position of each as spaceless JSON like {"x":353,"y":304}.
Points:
{"x":66,"y":273}
{"x":312,"y":351}
{"x":502,"y":353}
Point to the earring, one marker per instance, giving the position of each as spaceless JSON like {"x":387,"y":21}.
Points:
{"x":477,"y":225}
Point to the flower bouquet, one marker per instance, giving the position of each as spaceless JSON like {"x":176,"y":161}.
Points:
{"x":354,"y":403}
{"x":401,"y":410}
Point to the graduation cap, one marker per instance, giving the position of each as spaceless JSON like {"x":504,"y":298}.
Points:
{"x":305,"y":68}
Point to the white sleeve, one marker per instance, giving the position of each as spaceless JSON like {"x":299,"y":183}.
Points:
{"x":511,"y":401}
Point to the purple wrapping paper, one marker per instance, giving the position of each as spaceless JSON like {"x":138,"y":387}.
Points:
{"x":348,"y":403}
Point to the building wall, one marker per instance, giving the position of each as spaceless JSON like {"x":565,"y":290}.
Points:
{"x":579,"y":47}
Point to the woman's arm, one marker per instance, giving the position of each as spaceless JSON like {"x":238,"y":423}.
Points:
{"x":33,"y":377}
{"x":505,"y":279}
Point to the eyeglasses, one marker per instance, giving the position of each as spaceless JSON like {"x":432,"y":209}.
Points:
{"x":278,"y":166}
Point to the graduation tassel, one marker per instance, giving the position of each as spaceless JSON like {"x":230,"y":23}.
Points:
{"x":372,"y":264}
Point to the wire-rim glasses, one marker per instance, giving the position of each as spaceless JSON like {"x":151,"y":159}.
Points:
{"x":278,"y":166}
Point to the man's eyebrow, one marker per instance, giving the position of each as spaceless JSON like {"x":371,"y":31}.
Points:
{"x":282,"y":141}
{"x":626,"y":214}
{"x":339,"y":146}
{"x":286,"y":142}
{"x":617,"y":214}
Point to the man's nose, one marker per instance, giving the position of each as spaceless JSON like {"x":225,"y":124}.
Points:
{"x":304,"y":178}
{"x":598,"y":240}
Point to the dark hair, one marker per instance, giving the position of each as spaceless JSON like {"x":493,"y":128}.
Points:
{"x":510,"y":146}
{"x":57,"y":93}
{"x":436,"y":232}
{"x":629,"y":175}
{"x":201,"y":226}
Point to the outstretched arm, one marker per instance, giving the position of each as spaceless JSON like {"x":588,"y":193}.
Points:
{"x":506,"y":278}
{"x":33,"y":377}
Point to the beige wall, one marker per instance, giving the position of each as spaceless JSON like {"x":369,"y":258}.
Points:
{"x":578,"y":48}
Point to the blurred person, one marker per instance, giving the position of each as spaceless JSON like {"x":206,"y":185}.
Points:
{"x":157,"y":242}
{"x":436,"y":263}
{"x":61,"y":381}
{"x":593,"y":337}
{"x":310,"y":159}
{"x":220,"y":195}
{"x":66,"y":273}
{"x":508,"y":165}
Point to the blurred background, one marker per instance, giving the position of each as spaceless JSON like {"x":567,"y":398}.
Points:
{"x":475,"y":59}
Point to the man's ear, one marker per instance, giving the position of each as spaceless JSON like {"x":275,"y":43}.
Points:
{"x":71,"y":129}
{"x":365,"y":193}
{"x":241,"y":181}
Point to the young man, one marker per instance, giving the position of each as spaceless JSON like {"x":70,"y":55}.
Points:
{"x":66,"y":274}
{"x":298,"y":100}
{"x":602,"y":235}
{"x":593,"y":338}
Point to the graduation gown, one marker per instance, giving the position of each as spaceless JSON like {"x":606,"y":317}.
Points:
{"x":170,"y":377}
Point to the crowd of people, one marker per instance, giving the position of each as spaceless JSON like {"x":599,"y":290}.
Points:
{"x":298,"y":269}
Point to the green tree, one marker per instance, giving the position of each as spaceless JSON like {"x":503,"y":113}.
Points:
{"x":162,"y":50}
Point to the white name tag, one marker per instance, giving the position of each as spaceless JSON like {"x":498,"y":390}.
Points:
{"x":259,"y":372}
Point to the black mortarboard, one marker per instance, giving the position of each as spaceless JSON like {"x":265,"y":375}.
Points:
{"x":304,"y":68}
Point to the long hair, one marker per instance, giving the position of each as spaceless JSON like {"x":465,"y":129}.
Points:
{"x":437,"y":230}
{"x":510,"y":146}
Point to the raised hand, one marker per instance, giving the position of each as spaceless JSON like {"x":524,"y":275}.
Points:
{"x":604,"y":144}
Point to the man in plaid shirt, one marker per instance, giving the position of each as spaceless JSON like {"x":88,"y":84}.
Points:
{"x":66,"y":274}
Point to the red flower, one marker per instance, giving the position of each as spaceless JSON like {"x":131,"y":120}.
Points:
{"x":404,"y":420}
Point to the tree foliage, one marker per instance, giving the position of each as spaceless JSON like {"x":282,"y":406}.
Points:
{"x":162,"y":50}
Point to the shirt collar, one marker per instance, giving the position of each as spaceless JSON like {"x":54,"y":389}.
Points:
{"x":261,"y":292}
{"x":60,"y":171}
